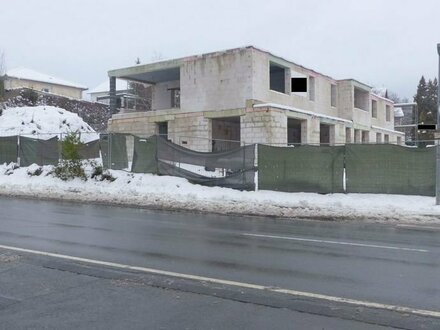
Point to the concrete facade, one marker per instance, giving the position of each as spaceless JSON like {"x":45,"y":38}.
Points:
{"x":259,"y":91}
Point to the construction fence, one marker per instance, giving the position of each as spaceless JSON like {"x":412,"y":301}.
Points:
{"x":155,"y":154}
{"x":26,"y":150}
{"x":352,"y":168}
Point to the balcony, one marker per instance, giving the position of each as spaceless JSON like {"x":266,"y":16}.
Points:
{"x":152,"y":87}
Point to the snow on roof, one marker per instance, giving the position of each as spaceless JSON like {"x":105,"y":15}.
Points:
{"x":43,"y":122}
{"x":121,"y":85}
{"x":403,"y":104}
{"x":29,"y":74}
{"x":398,"y":112}
{"x":386,"y":130}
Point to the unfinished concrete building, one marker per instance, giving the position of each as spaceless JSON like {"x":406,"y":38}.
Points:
{"x":221,"y":100}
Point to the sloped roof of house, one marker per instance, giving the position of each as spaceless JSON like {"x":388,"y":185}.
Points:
{"x":121,"y":85}
{"x":29,"y":74}
{"x":398,"y":112}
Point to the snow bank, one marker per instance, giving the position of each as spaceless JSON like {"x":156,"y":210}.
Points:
{"x":146,"y":190}
{"x":43,"y":122}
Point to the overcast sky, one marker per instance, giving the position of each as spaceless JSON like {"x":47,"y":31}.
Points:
{"x":379,"y":42}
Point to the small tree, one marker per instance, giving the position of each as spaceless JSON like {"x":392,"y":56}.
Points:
{"x":70,"y":166}
{"x":70,"y":147}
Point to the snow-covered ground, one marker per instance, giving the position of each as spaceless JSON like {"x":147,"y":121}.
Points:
{"x":147,"y":190}
{"x":44,"y":122}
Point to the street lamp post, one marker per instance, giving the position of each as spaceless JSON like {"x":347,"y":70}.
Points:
{"x":437,"y":180}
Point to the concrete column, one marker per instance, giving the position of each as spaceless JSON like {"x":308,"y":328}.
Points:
{"x":349,"y":137}
{"x":339,"y":134}
{"x":332,"y":133}
{"x":304,"y":131}
{"x":313,"y":131}
{"x":112,"y":94}
{"x":357,"y":136}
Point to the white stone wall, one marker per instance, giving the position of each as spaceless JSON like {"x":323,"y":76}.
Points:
{"x":261,"y":86}
{"x":264,"y":125}
{"x":345,"y":99}
{"x":216,"y":82}
{"x":381,"y":113}
{"x":190,"y":130}
{"x":161,"y":94}
{"x":231,"y":80}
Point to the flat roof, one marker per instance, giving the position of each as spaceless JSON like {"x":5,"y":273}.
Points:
{"x":136,"y":72}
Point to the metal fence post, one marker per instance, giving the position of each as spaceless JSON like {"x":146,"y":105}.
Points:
{"x":109,"y":151}
{"x":60,"y":148}
{"x":256,"y":166}
{"x":437,"y":162}
{"x":18,"y":150}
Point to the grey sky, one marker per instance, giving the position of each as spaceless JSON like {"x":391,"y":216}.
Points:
{"x":383,"y":43}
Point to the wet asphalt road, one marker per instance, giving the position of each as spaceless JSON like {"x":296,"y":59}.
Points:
{"x":371,"y":262}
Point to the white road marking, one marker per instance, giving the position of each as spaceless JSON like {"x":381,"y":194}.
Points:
{"x":395,"y":308}
{"x":419,"y":227}
{"x":335,"y":242}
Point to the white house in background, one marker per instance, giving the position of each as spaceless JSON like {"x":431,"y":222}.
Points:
{"x":249,"y":95}
{"x":27,"y":78}
{"x":101,"y":93}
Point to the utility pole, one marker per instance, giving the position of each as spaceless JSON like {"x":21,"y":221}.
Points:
{"x":437,"y":161}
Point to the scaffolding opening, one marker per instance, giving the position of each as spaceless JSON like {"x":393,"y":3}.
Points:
{"x":225,"y":133}
{"x":277,"y":78}
{"x":295,"y":130}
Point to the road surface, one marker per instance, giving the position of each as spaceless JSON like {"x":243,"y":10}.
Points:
{"x":371,"y":274}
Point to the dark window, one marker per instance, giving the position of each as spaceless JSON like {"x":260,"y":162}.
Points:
{"x":294,"y":131}
{"x":333,"y":95}
{"x":324,"y":134}
{"x":277,"y":78}
{"x":365,"y":136}
{"x":361,"y":99}
{"x":175,"y":98}
{"x":162,"y":129}
{"x":374,"y":108}
{"x":299,"y":84}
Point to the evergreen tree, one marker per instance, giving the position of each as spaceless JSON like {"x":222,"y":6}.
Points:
{"x":426,"y":99}
{"x":421,"y":99}
{"x":432,"y":100}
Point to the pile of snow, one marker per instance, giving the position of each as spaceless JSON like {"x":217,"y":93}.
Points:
{"x":166,"y":192}
{"x":44,"y":122}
